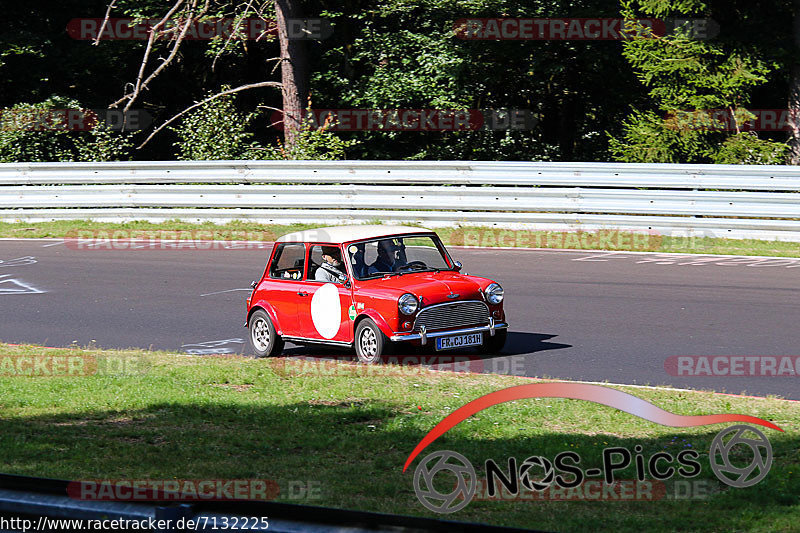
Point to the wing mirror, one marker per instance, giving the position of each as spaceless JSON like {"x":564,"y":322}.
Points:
{"x":457,"y":266}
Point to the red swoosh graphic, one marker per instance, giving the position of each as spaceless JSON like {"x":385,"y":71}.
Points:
{"x":579,"y":391}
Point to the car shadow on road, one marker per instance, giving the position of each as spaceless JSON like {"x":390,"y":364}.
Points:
{"x":518,"y":343}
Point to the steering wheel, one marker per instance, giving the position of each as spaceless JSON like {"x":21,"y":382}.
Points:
{"x":410,"y":265}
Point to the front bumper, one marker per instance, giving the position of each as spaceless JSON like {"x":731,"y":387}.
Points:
{"x":423,"y":335}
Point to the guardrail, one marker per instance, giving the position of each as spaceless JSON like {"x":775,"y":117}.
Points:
{"x":715,"y":200}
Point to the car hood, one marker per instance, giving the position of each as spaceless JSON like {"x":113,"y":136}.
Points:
{"x":432,"y":287}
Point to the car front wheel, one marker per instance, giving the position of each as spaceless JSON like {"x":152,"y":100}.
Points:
{"x":263,"y":339}
{"x":370,"y":342}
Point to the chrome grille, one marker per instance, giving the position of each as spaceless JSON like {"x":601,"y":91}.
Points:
{"x":452,"y":315}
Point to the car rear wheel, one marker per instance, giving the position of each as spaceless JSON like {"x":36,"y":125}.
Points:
{"x":370,"y":342}
{"x":493,"y":344}
{"x":263,"y":339}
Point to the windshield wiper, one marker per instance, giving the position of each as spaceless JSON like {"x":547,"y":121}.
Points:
{"x":378,"y":275}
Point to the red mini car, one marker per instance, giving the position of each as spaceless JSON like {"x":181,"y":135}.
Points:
{"x":370,"y":287}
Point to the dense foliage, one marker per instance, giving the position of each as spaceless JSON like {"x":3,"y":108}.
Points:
{"x":217,"y":130}
{"x":591,"y":100}
{"x":44,"y":132}
{"x":684,"y":73}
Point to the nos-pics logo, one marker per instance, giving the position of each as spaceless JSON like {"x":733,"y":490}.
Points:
{"x":457,"y":479}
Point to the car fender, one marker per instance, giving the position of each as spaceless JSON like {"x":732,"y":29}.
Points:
{"x":266,"y":306}
{"x":379,"y":321}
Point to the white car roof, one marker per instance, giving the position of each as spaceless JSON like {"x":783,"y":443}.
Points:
{"x":340,"y":234}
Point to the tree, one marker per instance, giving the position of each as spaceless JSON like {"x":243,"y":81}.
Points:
{"x":399,"y":54}
{"x":688,"y":79}
{"x":794,"y":89}
{"x":294,"y":70}
{"x":217,"y":130}
{"x":43,"y":132}
{"x":189,"y":12}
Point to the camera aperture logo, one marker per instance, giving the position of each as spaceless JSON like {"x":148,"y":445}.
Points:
{"x":465,"y":485}
{"x":736,"y":476}
{"x":538,"y":474}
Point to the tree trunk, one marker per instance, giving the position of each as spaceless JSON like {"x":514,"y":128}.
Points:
{"x":293,"y":70}
{"x":794,"y":91}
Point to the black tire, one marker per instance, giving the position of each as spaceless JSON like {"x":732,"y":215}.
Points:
{"x":263,"y":340}
{"x":494,"y":344}
{"x":370,"y":342}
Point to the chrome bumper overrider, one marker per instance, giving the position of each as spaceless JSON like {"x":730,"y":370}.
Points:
{"x":423,"y":335}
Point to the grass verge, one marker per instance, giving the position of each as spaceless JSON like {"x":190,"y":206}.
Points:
{"x":152,"y":415}
{"x":466,"y":235}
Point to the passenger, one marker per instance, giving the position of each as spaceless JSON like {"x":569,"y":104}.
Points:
{"x":330,"y":269}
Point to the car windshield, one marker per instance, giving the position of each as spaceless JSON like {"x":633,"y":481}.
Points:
{"x":399,"y":255}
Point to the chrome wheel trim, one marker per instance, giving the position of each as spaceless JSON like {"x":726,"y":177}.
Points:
{"x":260,"y":334}
{"x":368,"y":342}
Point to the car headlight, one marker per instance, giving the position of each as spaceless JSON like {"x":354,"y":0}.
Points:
{"x":494,"y":293}
{"x":408,"y":304}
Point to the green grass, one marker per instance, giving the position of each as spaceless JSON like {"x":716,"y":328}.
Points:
{"x":349,"y":432}
{"x":464,"y":235}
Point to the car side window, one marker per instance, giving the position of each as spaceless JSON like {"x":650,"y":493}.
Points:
{"x":314,"y":260}
{"x":325,"y":264}
{"x":288,"y":262}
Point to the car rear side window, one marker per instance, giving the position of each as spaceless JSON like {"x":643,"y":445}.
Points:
{"x":288,"y":262}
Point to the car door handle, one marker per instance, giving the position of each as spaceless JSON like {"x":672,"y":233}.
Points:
{"x":302,"y":293}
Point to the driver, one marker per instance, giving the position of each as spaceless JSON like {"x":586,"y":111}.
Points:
{"x":330,"y":269}
{"x":386,"y":257}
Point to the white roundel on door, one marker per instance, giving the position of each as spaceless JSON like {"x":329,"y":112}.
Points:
{"x":326,"y":311}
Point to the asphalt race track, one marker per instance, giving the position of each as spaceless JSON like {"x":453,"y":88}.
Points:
{"x":595,"y":316}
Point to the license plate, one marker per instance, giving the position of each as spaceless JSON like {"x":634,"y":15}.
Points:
{"x":459,"y":341}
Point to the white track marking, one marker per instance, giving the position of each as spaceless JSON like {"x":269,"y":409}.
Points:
{"x":228,"y":290}
{"x":21,"y":286}
{"x":32,"y":239}
{"x":600,"y":257}
{"x":211,"y":347}
{"x":19,"y":261}
{"x":694,"y":259}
